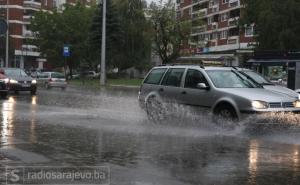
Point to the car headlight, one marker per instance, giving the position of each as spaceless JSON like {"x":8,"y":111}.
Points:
{"x":297,"y":104}
{"x":33,"y":81}
{"x":6,"y":80}
{"x":260,"y":105}
{"x":13,"y":81}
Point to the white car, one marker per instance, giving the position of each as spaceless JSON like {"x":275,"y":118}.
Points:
{"x":53,"y":79}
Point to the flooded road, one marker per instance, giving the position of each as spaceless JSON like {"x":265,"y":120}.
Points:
{"x":107,"y":128}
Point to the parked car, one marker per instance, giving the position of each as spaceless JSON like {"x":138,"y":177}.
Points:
{"x":52,"y":79}
{"x":224,"y":91}
{"x":3,"y":85}
{"x":18,"y":80}
{"x":91,"y":74}
{"x":265,"y":83}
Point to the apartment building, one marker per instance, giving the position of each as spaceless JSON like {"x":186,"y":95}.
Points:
{"x":216,"y":34}
{"x":21,"y":52}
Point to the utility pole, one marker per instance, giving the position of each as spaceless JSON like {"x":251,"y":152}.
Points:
{"x":7,"y":35}
{"x":103,"y":46}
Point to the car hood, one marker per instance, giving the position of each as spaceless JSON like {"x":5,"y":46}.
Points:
{"x":283,"y":90}
{"x":20,"y":78}
{"x":261,"y":94}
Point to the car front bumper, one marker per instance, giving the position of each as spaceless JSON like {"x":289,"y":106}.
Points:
{"x":22,"y":87}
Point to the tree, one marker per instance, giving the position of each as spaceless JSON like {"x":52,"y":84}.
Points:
{"x":113,"y":33}
{"x":168,"y":32}
{"x":277,"y":23}
{"x":55,"y":29}
{"x":128,"y":42}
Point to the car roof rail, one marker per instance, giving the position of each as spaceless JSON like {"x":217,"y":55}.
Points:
{"x":184,"y":64}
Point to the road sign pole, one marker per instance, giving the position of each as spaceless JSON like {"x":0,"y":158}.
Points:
{"x":103,"y":46}
{"x":7,"y":35}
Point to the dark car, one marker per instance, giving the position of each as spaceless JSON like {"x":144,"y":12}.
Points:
{"x":18,"y":80}
{"x":3,"y":86}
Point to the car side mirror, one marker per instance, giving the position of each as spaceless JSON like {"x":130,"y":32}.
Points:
{"x":202,"y":86}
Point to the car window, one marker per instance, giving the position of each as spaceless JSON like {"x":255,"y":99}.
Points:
{"x":43,"y":76}
{"x":15,"y":72}
{"x":155,"y":76}
{"x":258,"y":78}
{"x":194,"y":77}
{"x":173,"y":77}
{"x":227,"y":79}
{"x":57,"y":75}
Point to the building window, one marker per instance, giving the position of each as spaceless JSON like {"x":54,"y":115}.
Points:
{"x":225,"y":1}
{"x":224,"y":17}
{"x":249,"y":31}
{"x":224,"y":34}
{"x":214,"y":36}
{"x":209,"y":20}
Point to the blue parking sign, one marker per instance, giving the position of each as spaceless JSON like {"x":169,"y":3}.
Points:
{"x":66,"y":52}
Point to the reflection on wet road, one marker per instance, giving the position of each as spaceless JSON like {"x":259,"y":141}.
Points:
{"x":107,"y":128}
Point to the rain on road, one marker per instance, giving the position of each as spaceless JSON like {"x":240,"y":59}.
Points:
{"x":107,"y":128}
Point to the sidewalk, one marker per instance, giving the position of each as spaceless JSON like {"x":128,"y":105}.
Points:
{"x":95,"y":84}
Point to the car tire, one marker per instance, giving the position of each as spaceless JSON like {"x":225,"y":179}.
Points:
{"x":4,"y":95}
{"x":225,"y":116}
{"x":155,"y":110}
{"x":33,"y":92}
{"x":47,"y":86}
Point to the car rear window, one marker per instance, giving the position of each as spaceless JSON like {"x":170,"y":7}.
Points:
{"x":57,"y":75}
{"x":155,"y":76}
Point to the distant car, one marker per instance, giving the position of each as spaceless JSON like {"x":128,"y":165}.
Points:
{"x":17,"y":80}
{"x":52,"y":79}
{"x":267,"y":84}
{"x":91,"y":74}
{"x":3,"y":85}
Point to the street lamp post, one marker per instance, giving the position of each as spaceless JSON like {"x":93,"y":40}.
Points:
{"x":103,"y":46}
{"x":7,"y":35}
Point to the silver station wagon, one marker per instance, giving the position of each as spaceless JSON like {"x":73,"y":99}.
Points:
{"x":227,"y":92}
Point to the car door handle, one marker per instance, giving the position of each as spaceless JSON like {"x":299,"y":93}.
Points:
{"x":161,"y":90}
{"x":184,"y":92}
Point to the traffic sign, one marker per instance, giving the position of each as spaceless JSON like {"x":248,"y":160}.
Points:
{"x":66,"y":51}
{"x":3,"y":26}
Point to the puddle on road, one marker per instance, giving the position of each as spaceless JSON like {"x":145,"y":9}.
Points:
{"x":187,"y":148}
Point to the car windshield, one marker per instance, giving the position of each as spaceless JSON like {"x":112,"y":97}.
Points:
{"x":229,"y":79}
{"x":15,"y":72}
{"x":57,"y":75}
{"x":258,"y":78}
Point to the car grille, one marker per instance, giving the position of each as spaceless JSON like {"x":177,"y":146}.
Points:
{"x":281,"y":105}
{"x":2,"y":85}
{"x":288,"y":105}
{"x":275,"y":105}
{"x":23,"y":82}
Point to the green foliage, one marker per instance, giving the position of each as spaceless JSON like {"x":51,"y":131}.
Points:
{"x":127,"y":41}
{"x":277,"y":23}
{"x":168,"y":32}
{"x":55,"y":29}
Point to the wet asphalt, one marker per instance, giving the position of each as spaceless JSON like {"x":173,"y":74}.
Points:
{"x":79,"y":127}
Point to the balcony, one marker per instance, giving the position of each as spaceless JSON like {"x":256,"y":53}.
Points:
{"x":233,"y":21}
{"x":234,"y":3}
{"x":200,"y":13}
{"x":29,"y":34}
{"x":27,"y":18}
{"x":32,"y":4}
{"x":199,"y":1}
